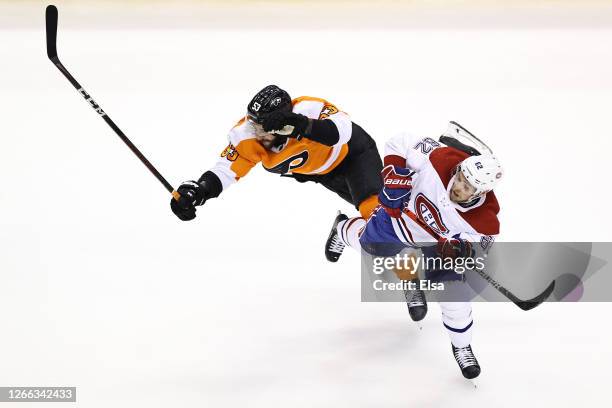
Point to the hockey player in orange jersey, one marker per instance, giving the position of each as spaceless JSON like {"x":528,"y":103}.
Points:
{"x":306,"y":138}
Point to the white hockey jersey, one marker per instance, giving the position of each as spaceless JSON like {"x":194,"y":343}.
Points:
{"x":434,"y":164}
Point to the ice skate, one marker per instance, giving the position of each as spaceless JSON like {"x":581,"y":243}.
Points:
{"x":417,"y":305}
{"x":334,"y":245}
{"x":467,"y":362}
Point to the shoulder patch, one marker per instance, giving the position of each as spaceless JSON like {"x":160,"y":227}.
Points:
{"x":328,"y":110}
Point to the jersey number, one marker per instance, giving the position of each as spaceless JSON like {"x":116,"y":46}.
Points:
{"x":426,"y":145}
{"x":230,"y":153}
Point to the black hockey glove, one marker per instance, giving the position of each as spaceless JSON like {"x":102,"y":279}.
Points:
{"x":195,"y":193}
{"x":276,"y":121}
{"x":192,"y":194}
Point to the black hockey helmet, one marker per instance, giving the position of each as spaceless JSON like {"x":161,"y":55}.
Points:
{"x":268,"y":100}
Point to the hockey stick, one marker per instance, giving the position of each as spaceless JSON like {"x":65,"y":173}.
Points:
{"x":523,"y":304}
{"x":51,"y":22}
{"x":456,"y":136}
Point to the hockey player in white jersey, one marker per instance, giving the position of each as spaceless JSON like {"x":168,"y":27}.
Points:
{"x":431,"y":190}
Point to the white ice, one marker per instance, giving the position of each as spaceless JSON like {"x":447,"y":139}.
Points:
{"x":102,"y":288}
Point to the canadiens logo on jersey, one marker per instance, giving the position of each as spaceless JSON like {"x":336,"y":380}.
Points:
{"x":230,"y":153}
{"x":429,"y":214}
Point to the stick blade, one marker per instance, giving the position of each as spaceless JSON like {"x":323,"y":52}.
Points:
{"x":538,"y":300}
{"x":51,"y":21}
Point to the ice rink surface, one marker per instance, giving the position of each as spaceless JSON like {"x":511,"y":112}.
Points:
{"x":104,"y":289}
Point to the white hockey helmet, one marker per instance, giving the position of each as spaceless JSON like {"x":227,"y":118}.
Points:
{"x":483,"y":172}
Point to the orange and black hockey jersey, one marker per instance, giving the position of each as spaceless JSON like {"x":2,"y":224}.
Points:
{"x":303,"y":156}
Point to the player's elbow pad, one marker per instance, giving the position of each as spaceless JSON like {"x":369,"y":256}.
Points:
{"x":324,"y":132}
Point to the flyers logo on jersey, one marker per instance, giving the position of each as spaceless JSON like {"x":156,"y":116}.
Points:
{"x":429,"y":214}
{"x":290,"y":164}
{"x":230,"y":153}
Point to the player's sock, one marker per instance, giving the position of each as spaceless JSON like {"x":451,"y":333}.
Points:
{"x":457,"y":318}
{"x":349,"y":231}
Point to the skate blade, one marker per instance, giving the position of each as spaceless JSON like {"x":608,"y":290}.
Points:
{"x":419,"y":325}
{"x":474,"y":383}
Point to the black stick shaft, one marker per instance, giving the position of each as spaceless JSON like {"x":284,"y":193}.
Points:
{"x":51,"y":22}
{"x":523,"y":304}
